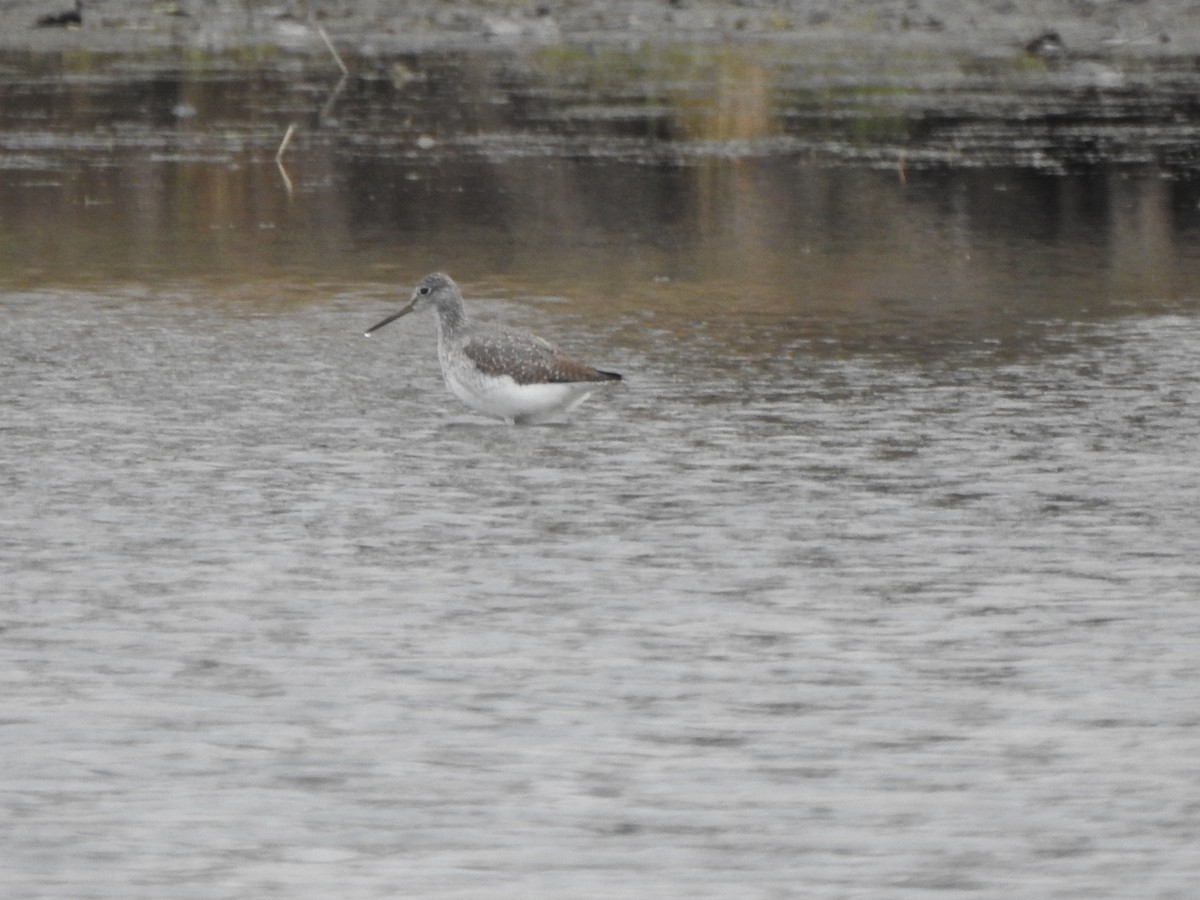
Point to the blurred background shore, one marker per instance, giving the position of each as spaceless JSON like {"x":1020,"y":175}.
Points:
{"x":382,"y":25}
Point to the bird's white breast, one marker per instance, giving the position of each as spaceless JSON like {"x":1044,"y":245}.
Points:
{"x":501,"y":396}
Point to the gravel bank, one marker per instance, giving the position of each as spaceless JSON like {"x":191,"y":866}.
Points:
{"x":1087,"y":27}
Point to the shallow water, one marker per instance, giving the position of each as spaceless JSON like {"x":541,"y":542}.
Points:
{"x":876,"y":577}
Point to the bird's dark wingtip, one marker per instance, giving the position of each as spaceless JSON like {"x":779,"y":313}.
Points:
{"x":611,"y":376}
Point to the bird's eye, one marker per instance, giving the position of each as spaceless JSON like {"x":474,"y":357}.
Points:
{"x":423,"y":290}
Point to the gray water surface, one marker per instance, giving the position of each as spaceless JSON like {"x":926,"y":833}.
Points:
{"x":282,"y":624}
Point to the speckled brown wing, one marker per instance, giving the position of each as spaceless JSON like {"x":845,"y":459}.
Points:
{"x":528,"y":359}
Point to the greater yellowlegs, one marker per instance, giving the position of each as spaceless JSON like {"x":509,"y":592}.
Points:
{"x":513,"y":375}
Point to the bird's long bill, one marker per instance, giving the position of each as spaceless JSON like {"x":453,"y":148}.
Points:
{"x":392,"y":318}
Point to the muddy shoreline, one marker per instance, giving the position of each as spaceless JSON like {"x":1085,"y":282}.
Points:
{"x":380,"y":27}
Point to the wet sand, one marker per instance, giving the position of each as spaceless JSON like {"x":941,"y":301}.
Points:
{"x":986,"y":27}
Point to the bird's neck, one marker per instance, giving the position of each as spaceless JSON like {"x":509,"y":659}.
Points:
{"x":452,"y":319}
